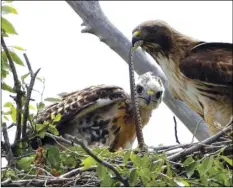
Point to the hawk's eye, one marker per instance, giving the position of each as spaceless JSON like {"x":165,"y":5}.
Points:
{"x":139,"y":89}
{"x":158,"y":94}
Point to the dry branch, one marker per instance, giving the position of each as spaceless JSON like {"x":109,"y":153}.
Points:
{"x":176,"y":133}
{"x":199,"y":145}
{"x":28,"y":97}
{"x":96,"y":23}
{"x":10,"y":156}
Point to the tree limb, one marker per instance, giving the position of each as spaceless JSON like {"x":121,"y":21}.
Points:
{"x":97,"y":23}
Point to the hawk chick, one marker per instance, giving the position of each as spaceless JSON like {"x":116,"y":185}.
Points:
{"x":103,"y":114}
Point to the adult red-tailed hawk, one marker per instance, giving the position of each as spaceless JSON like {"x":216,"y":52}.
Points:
{"x":103,"y":114}
{"x":199,"y":73}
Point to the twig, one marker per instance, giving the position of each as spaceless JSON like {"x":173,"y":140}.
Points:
{"x":28,"y":97}
{"x":24,"y":155}
{"x":28,"y":64}
{"x":33,"y":182}
{"x":10,"y":156}
{"x":176,"y":136}
{"x":19,"y":92}
{"x":61,"y":139}
{"x":104,"y":163}
{"x":10,"y":126}
{"x":199,"y":145}
{"x":76,"y":171}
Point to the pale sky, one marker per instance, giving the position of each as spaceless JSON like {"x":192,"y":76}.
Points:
{"x":70,"y":60}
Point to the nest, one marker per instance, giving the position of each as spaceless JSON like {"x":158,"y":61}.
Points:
{"x":98,"y":167}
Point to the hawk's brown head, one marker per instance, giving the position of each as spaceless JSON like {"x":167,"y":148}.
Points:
{"x":153,"y":36}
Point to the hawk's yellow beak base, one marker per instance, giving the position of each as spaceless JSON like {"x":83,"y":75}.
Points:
{"x":136,"y":41}
{"x":137,"y":33}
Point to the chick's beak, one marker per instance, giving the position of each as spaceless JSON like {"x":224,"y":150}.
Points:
{"x":148,"y":99}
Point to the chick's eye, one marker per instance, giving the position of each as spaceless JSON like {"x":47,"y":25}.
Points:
{"x":139,"y":89}
{"x":158,"y":94}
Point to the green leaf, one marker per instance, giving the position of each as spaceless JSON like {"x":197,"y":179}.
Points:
{"x":51,"y":99}
{"x":188,"y":161}
{"x":190,"y":169}
{"x":126,"y":157}
{"x":190,"y":165}
{"x":4,"y":60}
{"x":19,"y":48}
{"x":205,"y":165}
{"x":40,"y":79}
{"x":229,"y":161}
{"x":88,"y":162}
{"x":53,"y":129}
{"x":136,"y":160}
{"x":102,"y":171}
{"x":16,"y":58}
{"x":25,"y":162}
{"x":204,"y":180}
{"x":4,"y":73}
{"x":53,"y":157}
{"x":8,"y":104}
{"x":40,"y":106}
{"x":6,"y":87}
{"x":6,"y":118}
{"x":31,"y":107}
{"x":180,"y":182}
{"x":8,"y":9}
{"x":68,"y":160}
{"x":145,"y":160}
{"x":8,"y":27}
{"x":107,"y":181}
{"x":24,"y":76}
{"x":40,"y":128}
{"x":133,"y":177}
{"x":13,"y":113}
{"x":57,"y":117}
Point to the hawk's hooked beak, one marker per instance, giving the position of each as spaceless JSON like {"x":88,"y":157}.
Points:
{"x":136,"y":39}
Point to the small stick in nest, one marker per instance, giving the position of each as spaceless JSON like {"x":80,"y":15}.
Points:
{"x":176,"y":135}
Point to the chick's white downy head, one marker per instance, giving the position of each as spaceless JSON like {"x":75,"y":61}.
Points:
{"x":150,"y":90}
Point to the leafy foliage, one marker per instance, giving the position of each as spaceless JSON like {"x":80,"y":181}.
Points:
{"x":139,"y":170}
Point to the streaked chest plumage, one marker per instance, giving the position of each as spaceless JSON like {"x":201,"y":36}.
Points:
{"x":181,"y":88}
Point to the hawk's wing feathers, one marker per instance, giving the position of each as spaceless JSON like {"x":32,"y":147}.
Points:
{"x":83,"y":102}
{"x":210,"y":63}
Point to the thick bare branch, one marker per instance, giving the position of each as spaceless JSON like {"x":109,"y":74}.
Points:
{"x":97,"y":23}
